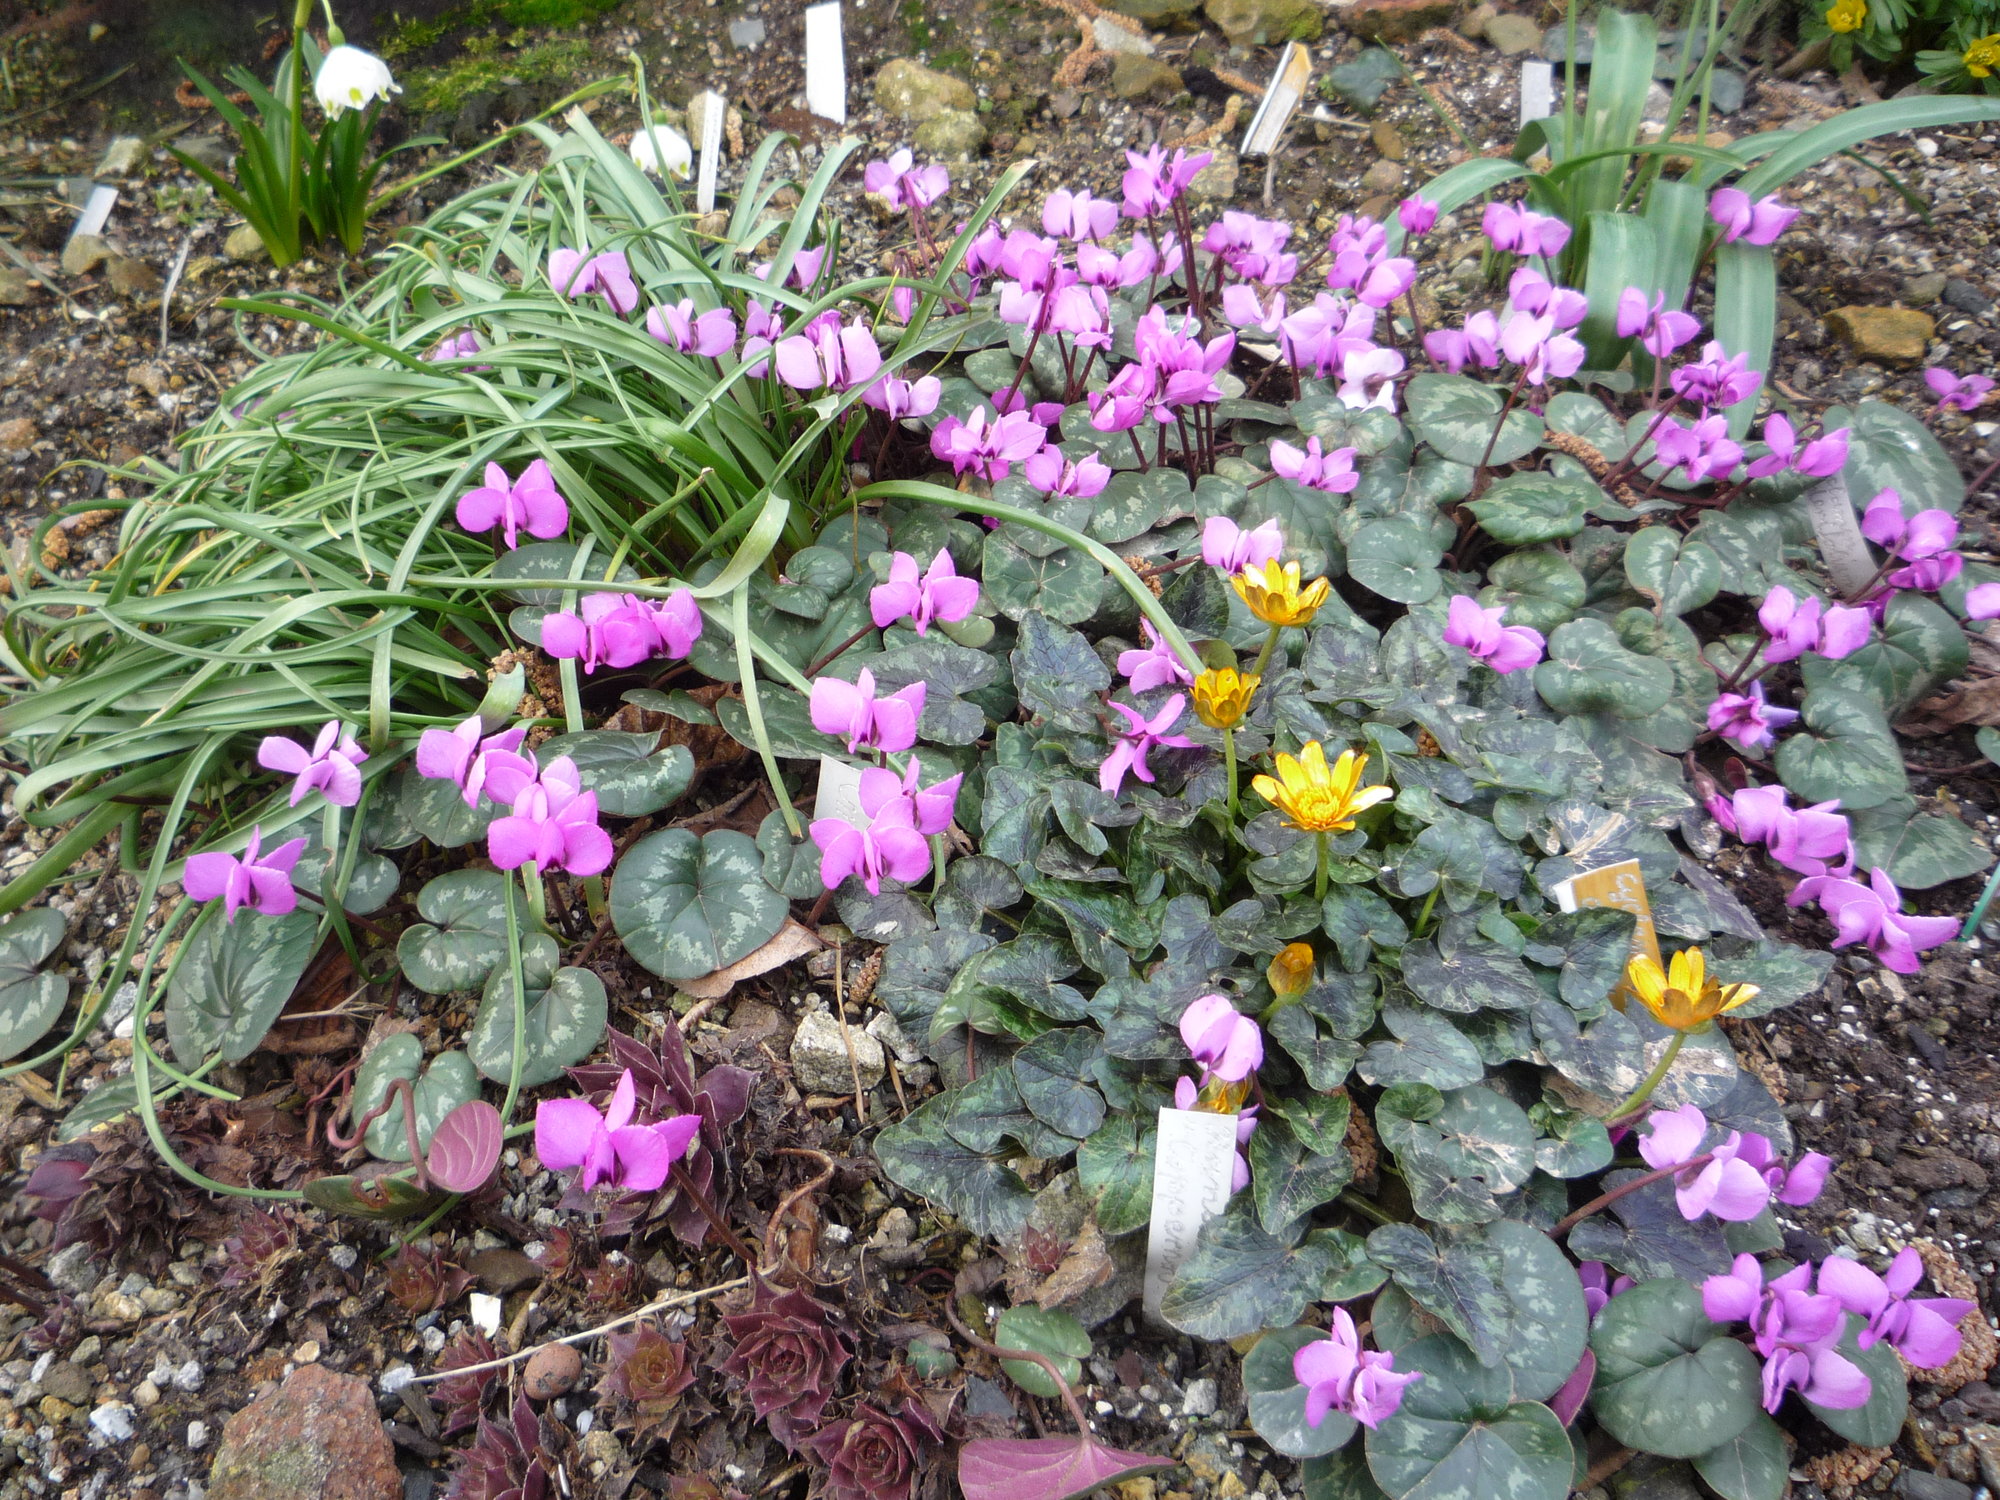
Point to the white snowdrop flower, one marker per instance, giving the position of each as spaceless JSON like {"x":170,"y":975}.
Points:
{"x":350,"y":78}
{"x":662,"y":148}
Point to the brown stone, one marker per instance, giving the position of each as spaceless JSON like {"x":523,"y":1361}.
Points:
{"x":16,"y":434}
{"x":553,"y":1369}
{"x":1894,"y":335}
{"x":1392,"y":20}
{"x":1134,"y":76}
{"x":1389,"y":141}
{"x":131,"y":277}
{"x":316,"y":1437}
{"x":1384,"y":177}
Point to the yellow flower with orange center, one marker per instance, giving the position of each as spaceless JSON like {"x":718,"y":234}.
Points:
{"x":1983,"y":56}
{"x":1317,"y":797}
{"x":1847,"y":15}
{"x":1683,"y":996}
{"x":1291,"y":972}
{"x":1222,"y":696}
{"x":1274,"y":595}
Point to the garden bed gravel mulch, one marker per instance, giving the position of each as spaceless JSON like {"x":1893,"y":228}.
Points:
{"x":1897,"y":1078}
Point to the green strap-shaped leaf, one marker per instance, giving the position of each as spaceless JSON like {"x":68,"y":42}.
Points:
{"x":1746,"y":316}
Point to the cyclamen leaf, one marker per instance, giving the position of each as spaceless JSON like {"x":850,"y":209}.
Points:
{"x":234,"y":981}
{"x":1670,"y":1381}
{"x":1278,"y":1400}
{"x":687,"y":905}
{"x":1045,"y":1331}
{"x":1047,"y":1468}
{"x":1458,"y":1432}
{"x":465,"y":1147}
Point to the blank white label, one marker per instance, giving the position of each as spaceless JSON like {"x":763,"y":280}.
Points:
{"x":1538,"y":91}
{"x":711,"y":150}
{"x":826,"y":63}
{"x":96,"y":211}
{"x":1192,"y":1166}
{"x":839,"y":792}
{"x":1287,"y":88}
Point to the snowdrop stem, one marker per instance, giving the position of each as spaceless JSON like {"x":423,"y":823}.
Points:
{"x":1637,"y":1098}
{"x":1229,"y":760}
{"x":295,"y":147}
{"x":1605,"y":1200}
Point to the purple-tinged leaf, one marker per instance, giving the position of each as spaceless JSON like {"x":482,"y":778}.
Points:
{"x":1053,"y":1468}
{"x":1568,"y":1401}
{"x":465,"y":1148}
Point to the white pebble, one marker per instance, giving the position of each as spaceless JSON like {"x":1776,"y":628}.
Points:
{"x":485,"y":1312}
{"x":1926,"y":146}
{"x":198,"y":1432}
{"x":112,"y":1423}
{"x":188,"y":1377}
{"x":395,"y":1378}
{"x":343,"y":1257}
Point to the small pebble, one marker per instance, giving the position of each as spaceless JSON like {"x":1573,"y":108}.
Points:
{"x":145,"y":1394}
{"x":553,"y":1369}
{"x":343,"y":1257}
{"x":188,"y":1377}
{"x":112,"y":1423}
{"x":395,"y":1378}
{"x":197,"y":1434}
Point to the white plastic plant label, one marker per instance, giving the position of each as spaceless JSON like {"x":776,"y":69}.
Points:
{"x":1192,"y":1167}
{"x":826,"y":63}
{"x":1538,"y":90}
{"x":839,"y":794}
{"x":1281,"y":98}
{"x":711,"y":105}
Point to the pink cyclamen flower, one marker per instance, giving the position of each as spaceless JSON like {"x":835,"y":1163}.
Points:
{"x":1659,"y":331}
{"x":1755,"y":223}
{"x":1532,"y":292}
{"x":1982,"y":601}
{"x":476,"y":765}
{"x":805,"y":269}
{"x":1792,"y":624}
{"x":897,"y":398}
{"x":531,"y":503}
{"x":1078,"y":216}
{"x":1599,"y":1287}
{"x":1929,"y":533}
{"x":851,"y":710}
{"x":1225,"y":1042}
{"x":1922,"y":1329}
{"x":461,"y":345}
{"x":1332,"y":472}
{"x":609,"y":1147}
{"x":260,"y":881}
{"x":607,"y":274}
{"x":1927,"y":574}
{"x":1796,"y":1331}
{"x":1873,"y":914}
{"x":679,"y":326}
{"x":1703,"y":451}
{"x":987,"y":445}
{"x":1522,"y":232}
{"x":1416,"y":215}
{"x":1140,"y":735}
{"x":1504,"y":648}
{"x":938,"y":594}
{"x":1253,"y":248}
{"x":1054,"y":473}
{"x":1960,"y":392}
{"x":902,"y":184}
{"x":1368,"y":379}
{"x":1155,"y":666}
{"x":553,"y":826}
{"x":622,"y":630}
{"x":1814,"y":840}
{"x":930,"y":806}
{"x":830,"y":354}
{"x":891,"y":845}
{"x":1725,"y":1185}
{"x":1339,"y":1374}
{"x":1227,"y":546}
{"x":1717,"y":378}
{"x":1386,"y":281}
{"x":1153,"y":181}
{"x":1796,"y":1185}
{"x":1746,"y":720}
{"x":332,"y":766}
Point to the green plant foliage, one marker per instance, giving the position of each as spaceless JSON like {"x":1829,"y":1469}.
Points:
{"x":30,"y":1000}
{"x":235,"y":979}
{"x":565,"y":1009}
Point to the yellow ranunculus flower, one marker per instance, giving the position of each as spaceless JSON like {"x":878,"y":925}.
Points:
{"x":1847,"y":15}
{"x":1684,"y":997}
{"x":1983,"y":56}
{"x":1317,"y":797}
{"x":1291,"y":972}
{"x":1274,"y":595}
{"x":1222,"y":696}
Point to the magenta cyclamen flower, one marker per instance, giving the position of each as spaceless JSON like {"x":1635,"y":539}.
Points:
{"x":1703,"y":451}
{"x":1873,"y":914}
{"x":805,"y":269}
{"x":1812,"y":840}
{"x":1599,"y":1286}
{"x":1078,"y":216}
{"x":930,"y":806}
{"x":1155,"y":666}
{"x":332,"y":766}
{"x":1658,"y":330}
{"x":938,"y":594}
{"x":1140,"y":735}
{"x":1153,"y":181}
{"x":1796,"y":1185}
{"x":1253,"y":248}
{"x":531,"y":504}
{"x":553,"y":826}
{"x":679,"y":326}
{"x":1794,"y":1329}
{"x":902,"y":184}
{"x":461,"y":345}
{"x":828,"y":354}
{"x":1796,"y":627}
{"x":1758,"y":223}
{"x":1339,"y":1374}
{"x":1922,"y":1329}
{"x":1515,"y":229}
{"x":609,"y":1147}
{"x":1725,"y":1185}
{"x":474,"y":765}
{"x":1817,"y":459}
{"x":1416,"y":215}
{"x":1929,"y":533}
{"x":1982,"y":601}
{"x":1225,"y":1042}
{"x":1545,"y":355}
{"x":892,"y":844}
{"x":1746,"y":720}
{"x":897,"y":398}
{"x":987,"y":445}
{"x":607,"y":274}
{"x":1053,"y":473}
{"x":1717,"y":378}
{"x":1955,"y":391}
{"x":1227,"y":546}
{"x":1332,"y":472}
{"x":622,"y":630}
{"x":1532,"y":292}
{"x":1504,"y":648}
{"x":851,"y":710}
{"x":260,"y":881}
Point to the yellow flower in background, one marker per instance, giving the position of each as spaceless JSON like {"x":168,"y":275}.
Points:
{"x":1274,"y":595}
{"x":1222,"y":696}
{"x":1291,"y":972}
{"x":1317,"y":797}
{"x":1847,"y":15}
{"x":1983,"y":56}
{"x":1683,"y":996}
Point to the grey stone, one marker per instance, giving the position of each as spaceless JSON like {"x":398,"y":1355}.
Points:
{"x":1199,"y":1399}
{"x":884,"y":1028}
{"x":911,"y":91}
{"x":1112,"y":37}
{"x":1265,"y":23}
{"x":1384,"y":177}
{"x":746,"y":32}
{"x":950,"y":135}
{"x":188,"y":1377}
{"x":1726,"y":89}
{"x":210,"y":150}
{"x":1967,"y":298}
{"x":1555,"y":43}
{"x":73,"y":1270}
{"x":820,"y":1056}
{"x":67,"y":1381}
{"x":1985,"y":1441}
{"x":17,"y":287}
{"x":1216,"y":182}
{"x":1916,"y":1484}
{"x":112,"y":1423}
{"x":124,"y":157}
{"x":245,"y":244}
{"x":1921,"y":291}
{"x":85,"y":253}
{"x":1513,"y":34}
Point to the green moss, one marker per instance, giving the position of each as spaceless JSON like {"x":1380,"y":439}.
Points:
{"x":442,"y":90}
{"x":401,"y":37}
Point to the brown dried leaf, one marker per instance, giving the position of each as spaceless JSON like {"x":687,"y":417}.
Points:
{"x":793,"y":941}
{"x":1976,"y":703}
{"x":1087,"y":1265}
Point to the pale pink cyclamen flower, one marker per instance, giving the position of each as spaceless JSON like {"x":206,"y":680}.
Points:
{"x":828,"y":354}
{"x":1532,"y":292}
{"x":1332,"y":472}
{"x":806,"y":265}
{"x":1717,"y":378}
{"x":1544,"y":354}
{"x":1153,"y":181}
{"x":622,"y":630}
{"x":608,"y":275}
{"x":476,"y":765}
{"x":938,"y":594}
{"x":890,"y":845}
{"x":1755,"y":223}
{"x":1924,"y":1330}
{"x":1416,"y":215}
{"x":1516,"y":229}
{"x":1727,"y":1186}
{"x":461,"y":345}
{"x":680,"y":327}
{"x":1955,"y":391}
{"x":553,"y":826}
{"x":1703,"y":451}
{"x":1139,"y":736}
{"x":1814,"y":840}
{"x":531,"y":503}
{"x":1982,"y":601}
{"x":1873,"y":914}
{"x":897,"y":398}
{"x":852,"y":711}
{"x":901,"y":183}
{"x":1816,"y":459}
{"x":1929,"y":533}
{"x":633,"y":1158}
{"x":1658,"y":330}
{"x":1227,"y":546}
{"x":1796,"y":1331}
{"x":1054,"y":473}
{"x":1504,"y":648}
{"x":1078,"y":216}
{"x":1746,"y":720}
{"x":1368,"y":379}
{"x":1227,"y":1043}
{"x":987,"y":445}
{"x":260,"y":881}
{"x":1156,"y":665}
{"x":1339,"y":1374}
{"x":332,"y":766}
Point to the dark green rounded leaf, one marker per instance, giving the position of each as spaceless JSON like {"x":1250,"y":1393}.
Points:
{"x":235,"y":979}
{"x":1278,"y":1400}
{"x":463,"y":934}
{"x":1242,"y":1280}
{"x":566,"y":1015}
{"x":1753,"y":1465}
{"x":1115,"y":1166}
{"x":687,"y":906}
{"x":1589,"y":672}
{"x":1396,"y":559}
{"x":1460,"y":1161}
{"x":534,"y":562}
{"x":1458,"y":416}
{"x":1918,"y":850}
{"x":1676,"y":574}
{"x":1524,"y":509}
{"x":1669,"y":1381}
{"x":437,"y":810}
{"x":1877,"y":1423}
{"x":1841,"y":747}
{"x":447,"y":1083}
{"x":1585,"y":417}
{"x":630,"y":773}
{"x":1065,"y":585}
{"x":921,"y":1154}
{"x":1918,"y":649}
{"x":1047,"y":1331}
{"x":1289,"y":1180}
{"x":1538,"y":587}
{"x":1459,"y":1435}
{"x":1340,"y":1476}
{"x":30,"y":1001}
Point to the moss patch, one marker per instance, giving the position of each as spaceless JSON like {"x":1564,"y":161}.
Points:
{"x":417,"y":35}
{"x":442,"y":90}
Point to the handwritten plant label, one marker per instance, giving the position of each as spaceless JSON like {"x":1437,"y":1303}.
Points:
{"x":826,"y":63}
{"x":1192,"y":1167}
{"x":1621,"y":886}
{"x":839,"y":793}
{"x":1281,"y":98}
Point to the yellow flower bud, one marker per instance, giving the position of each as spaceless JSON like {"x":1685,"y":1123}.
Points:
{"x":1222,"y":696}
{"x":1291,"y":972}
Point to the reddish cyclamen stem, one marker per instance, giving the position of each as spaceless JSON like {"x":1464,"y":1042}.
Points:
{"x":1605,"y":1200}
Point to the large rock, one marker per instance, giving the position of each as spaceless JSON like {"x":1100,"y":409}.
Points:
{"x":914,"y":92}
{"x":1894,"y":335}
{"x":820,"y":1058}
{"x":1392,"y":20}
{"x":245,"y":244}
{"x":131,"y":277}
{"x":1265,"y":23}
{"x":316,"y":1437}
{"x":950,"y":135}
{"x":1513,"y":34}
{"x":17,"y":288}
{"x":1216,"y":182}
{"x":1161,"y":15}
{"x":124,"y":157}
{"x":1136,"y":77}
